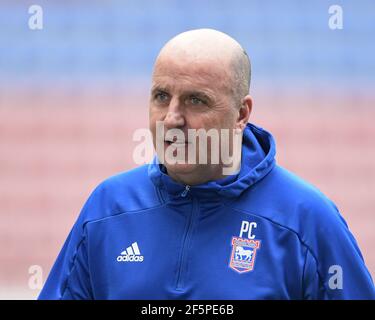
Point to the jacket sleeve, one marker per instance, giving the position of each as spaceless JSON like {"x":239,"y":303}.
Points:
{"x":334,"y":266}
{"x":70,"y":278}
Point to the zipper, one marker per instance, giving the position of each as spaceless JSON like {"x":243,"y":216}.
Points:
{"x":185,"y":192}
{"x":185,"y":244}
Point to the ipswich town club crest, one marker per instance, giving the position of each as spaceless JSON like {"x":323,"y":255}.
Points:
{"x":243,"y":254}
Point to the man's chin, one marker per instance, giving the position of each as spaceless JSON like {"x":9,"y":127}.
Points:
{"x":180,"y":168}
{"x":190,"y":174}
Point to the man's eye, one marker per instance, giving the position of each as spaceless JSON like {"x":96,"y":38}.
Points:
{"x":196,"y":101}
{"x":161,"y":96}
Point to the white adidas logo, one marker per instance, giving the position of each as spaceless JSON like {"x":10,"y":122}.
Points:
{"x":131,"y":254}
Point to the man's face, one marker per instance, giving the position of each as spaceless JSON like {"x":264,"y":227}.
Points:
{"x":187,"y":95}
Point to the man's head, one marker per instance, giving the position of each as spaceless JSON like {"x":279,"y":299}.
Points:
{"x":201,"y":80}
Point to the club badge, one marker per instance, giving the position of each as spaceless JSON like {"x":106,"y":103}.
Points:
{"x":243,"y":254}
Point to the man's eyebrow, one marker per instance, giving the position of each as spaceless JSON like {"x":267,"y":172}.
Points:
{"x":199,"y":94}
{"x":158,"y":88}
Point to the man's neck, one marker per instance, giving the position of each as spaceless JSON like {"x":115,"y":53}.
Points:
{"x":192,"y":180}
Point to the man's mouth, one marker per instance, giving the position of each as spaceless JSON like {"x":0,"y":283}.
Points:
{"x":175,"y":142}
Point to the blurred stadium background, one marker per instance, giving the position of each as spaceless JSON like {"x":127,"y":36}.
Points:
{"x":72,"y":94}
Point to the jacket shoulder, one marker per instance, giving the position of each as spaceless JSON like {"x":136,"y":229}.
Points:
{"x":289,"y":201}
{"x":127,"y":191}
{"x":303,"y":201}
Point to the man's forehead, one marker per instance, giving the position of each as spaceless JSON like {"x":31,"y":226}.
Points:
{"x":186,"y":64}
{"x":210,"y":73}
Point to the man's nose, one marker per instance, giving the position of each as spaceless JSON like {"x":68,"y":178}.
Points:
{"x":174,"y":117}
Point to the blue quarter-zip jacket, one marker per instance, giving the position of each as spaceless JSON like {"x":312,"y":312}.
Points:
{"x":261,"y":234}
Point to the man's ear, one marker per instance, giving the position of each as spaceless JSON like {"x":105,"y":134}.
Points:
{"x":244,"y":112}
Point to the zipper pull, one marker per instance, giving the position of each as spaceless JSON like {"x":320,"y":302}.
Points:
{"x":185,"y":192}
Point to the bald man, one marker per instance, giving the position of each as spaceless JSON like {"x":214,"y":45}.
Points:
{"x":213,"y":216}
{"x":200,"y":81}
